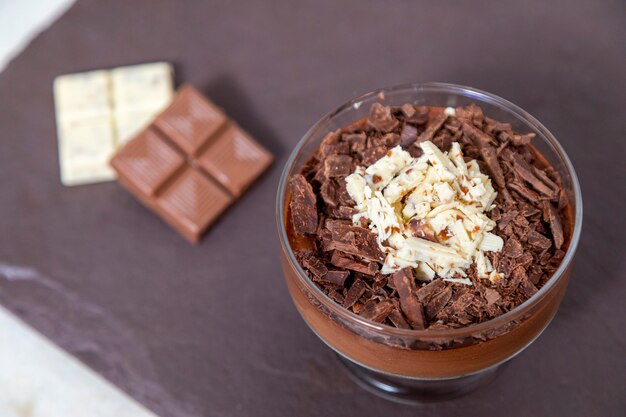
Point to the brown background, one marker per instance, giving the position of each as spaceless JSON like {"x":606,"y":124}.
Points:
{"x":210,"y":330}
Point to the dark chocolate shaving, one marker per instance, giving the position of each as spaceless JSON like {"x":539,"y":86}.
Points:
{"x":332,"y":145}
{"x":328,"y":192}
{"x":354,"y":293}
{"x":538,"y":240}
{"x":524,"y":171}
{"x":335,"y":277}
{"x":347,"y":263}
{"x":437,"y":302}
{"x":492,"y":296}
{"x":337,"y":166}
{"x":522,"y":140}
{"x":357,"y":142}
{"x":485,"y":143}
{"x":377,"y":311}
{"x":524,"y":191}
{"x":397,"y":319}
{"x":315,"y":266}
{"x":555,"y":225}
{"x":373,"y":154}
{"x":303,"y":206}
{"x":413,"y":310}
{"x":408,"y":135}
{"x":354,"y":240}
{"x":512,"y":248}
{"x":381,"y":118}
{"x":432,"y":128}
{"x":415,"y":115}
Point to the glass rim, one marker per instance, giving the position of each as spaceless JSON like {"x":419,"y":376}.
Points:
{"x":461,"y":90}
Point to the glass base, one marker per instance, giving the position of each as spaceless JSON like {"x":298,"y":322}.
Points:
{"x":416,"y":391}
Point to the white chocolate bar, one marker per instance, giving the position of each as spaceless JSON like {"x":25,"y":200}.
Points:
{"x":142,"y":87}
{"x":140,"y":92}
{"x":97,"y":111}
{"x":85,"y":147}
{"x":82,"y":95}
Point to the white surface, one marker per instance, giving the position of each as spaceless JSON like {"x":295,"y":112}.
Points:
{"x":22,"y":20}
{"x":37,"y":379}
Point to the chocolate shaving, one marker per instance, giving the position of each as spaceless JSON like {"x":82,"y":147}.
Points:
{"x":522,"y":140}
{"x":377,"y":312}
{"x":381,"y":118}
{"x":488,"y":153}
{"x":335,"y":277}
{"x":524,"y":171}
{"x":354,"y":240}
{"x":492,"y":296}
{"x":524,"y":191}
{"x":425,"y":293}
{"x":347,"y":263}
{"x":437,"y":302}
{"x":506,"y":218}
{"x":343,"y":212}
{"x":354,"y":293}
{"x":328,"y":192}
{"x":546,"y":180}
{"x":337,"y":166}
{"x":332,"y":144}
{"x":413,"y":310}
{"x":432,"y":128}
{"x":512,"y":248}
{"x":357,"y":142}
{"x":527,"y":287}
{"x":538,"y":240}
{"x":415,"y":115}
{"x":478,"y":137}
{"x":555,"y":225}
{"x":471,"y":113}
{"x":303,"y":206}
{"x":397,"y":319}
{"x":373,"y":154}
{"x":408,"y":135}
{"x":315,"y":266}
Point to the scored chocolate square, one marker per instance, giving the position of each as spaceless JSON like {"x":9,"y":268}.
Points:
{"x":234,"y":159}
{"x":190,"y":120}
{"x":148,"y":161}
{"x":192,"y":202}
{"x":190,"y":164}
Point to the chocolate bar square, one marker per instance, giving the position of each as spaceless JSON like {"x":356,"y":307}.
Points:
{"x":148,"y":160}
{"x":190,"y":120}
{"x":190,"y":164}
{"x":191,"y":202}
{"x":234,"y":159}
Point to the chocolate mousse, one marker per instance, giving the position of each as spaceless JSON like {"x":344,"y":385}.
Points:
{"x":428,"y":218}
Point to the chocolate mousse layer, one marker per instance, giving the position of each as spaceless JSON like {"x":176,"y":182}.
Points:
{"x":342,"y":256}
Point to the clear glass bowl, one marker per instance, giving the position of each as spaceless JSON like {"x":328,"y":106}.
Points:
{"x":401,"y":363}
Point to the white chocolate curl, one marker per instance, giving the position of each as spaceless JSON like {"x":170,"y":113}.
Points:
{"x":428,"y":213}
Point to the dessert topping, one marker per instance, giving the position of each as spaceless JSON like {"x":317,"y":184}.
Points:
{"x":428,"y":213}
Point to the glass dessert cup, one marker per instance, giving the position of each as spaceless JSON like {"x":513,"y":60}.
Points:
{"x":425,"y":365}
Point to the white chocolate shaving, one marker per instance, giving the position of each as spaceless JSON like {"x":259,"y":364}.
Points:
{"x":440,"y":192}
{"x":382,"y":171}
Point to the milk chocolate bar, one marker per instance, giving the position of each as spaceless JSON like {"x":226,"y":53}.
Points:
{"x":190,"y":163}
